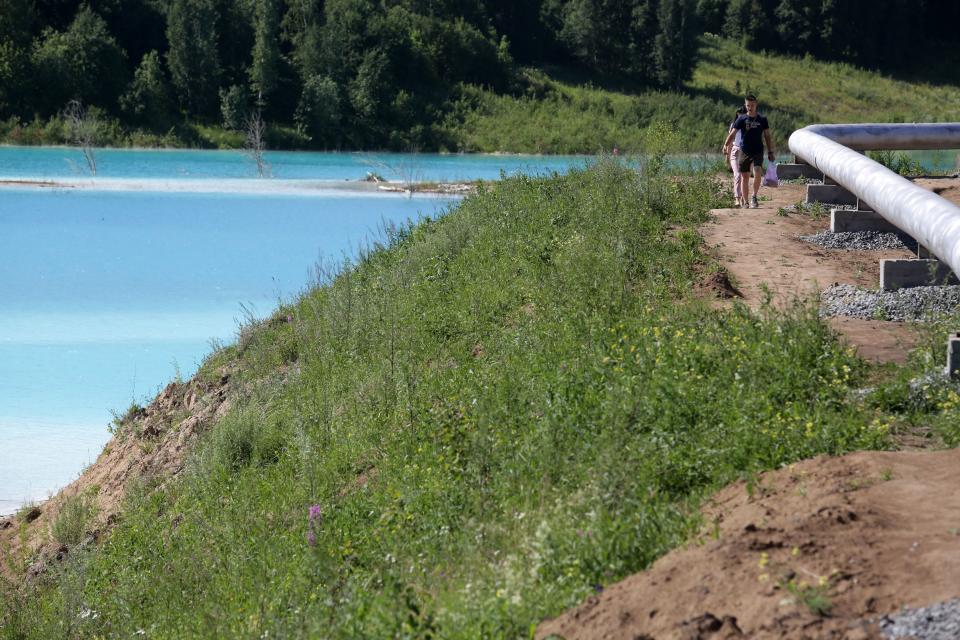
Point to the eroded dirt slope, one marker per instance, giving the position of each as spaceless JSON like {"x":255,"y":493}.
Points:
{"x":150,"y":447}
{"x":862,"y":535}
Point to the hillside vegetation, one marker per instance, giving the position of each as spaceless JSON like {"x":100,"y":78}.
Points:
{"x":485,"y":75}
{"x":563,"y":111}
{"x":474,"y":426}
{"x":567,"y":113}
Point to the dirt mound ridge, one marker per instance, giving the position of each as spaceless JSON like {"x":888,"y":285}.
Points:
{"x":150,"y":446}
{"x":821,"y":549}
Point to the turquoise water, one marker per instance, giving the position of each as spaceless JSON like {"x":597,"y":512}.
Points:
{"x":64,"y":162}
{"x":938,"y":161}
{"x":107,"y":296}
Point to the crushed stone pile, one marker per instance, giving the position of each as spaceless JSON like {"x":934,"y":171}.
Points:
{"x":859,"y":240}
{"x":915,"y":303}
{"x":936,"y":622}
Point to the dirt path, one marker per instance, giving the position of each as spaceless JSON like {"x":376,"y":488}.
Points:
{"x":760,"y":249}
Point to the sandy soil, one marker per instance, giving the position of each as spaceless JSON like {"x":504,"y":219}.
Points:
{"x":879,"y":531}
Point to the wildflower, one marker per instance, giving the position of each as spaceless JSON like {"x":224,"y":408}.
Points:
{"x":314,"y":519}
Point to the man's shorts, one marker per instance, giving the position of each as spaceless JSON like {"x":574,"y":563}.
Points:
{"x":745,"y":160}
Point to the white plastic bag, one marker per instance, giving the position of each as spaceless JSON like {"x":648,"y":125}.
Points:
{"x":771,"y":179}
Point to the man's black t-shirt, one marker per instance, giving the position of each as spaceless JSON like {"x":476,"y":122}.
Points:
{"x":752,"y":130}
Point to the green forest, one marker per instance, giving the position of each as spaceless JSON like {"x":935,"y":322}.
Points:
{"x":395,"y":74}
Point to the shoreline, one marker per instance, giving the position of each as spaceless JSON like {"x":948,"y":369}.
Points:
{"x":246,"y":186}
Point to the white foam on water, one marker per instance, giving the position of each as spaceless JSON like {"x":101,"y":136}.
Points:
{"x":246,"y":186}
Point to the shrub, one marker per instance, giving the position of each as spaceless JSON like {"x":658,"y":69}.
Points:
{"x":75,"y":515}
{"x":234,"y":107}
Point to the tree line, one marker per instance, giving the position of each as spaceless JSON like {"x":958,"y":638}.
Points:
{"x":887,"y":35}
{"x":346,"y":73}
{"x":386,"y":73}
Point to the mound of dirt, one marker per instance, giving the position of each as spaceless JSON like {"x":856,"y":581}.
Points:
{"x":718,"y":285}
{"x":821,"y":549}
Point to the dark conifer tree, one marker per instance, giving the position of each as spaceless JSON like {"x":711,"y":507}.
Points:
{"x":193,"y":56}
{"x":799,"y":25}
{"x":265,"y":65}
{"x":676,"y":43}
{"x":16,"y":21}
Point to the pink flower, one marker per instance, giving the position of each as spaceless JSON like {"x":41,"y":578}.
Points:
{"x":314,"y":519}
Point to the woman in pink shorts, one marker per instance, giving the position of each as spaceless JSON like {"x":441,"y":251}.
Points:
{"x":734,"y":162}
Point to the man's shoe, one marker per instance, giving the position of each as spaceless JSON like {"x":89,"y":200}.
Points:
{"x":753,"y":201}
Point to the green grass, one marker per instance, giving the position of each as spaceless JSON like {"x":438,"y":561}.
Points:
{"x":814,"y":91}
{"x":112,"y":133}
{"x":495,"y":411}
{"x":76,"y":513}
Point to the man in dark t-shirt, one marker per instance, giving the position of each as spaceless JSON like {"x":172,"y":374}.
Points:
{"x":754,"y":131}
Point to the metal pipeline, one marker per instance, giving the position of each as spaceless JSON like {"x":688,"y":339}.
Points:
{"x":834,"y":149}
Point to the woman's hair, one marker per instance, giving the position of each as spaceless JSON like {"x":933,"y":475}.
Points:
{"x":741,"y":110}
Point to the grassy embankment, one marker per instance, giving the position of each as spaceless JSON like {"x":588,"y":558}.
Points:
{"x":495,"y":412}
{"x":566,"y":112}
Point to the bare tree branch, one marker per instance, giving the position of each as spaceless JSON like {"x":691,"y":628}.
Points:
{"x":256,"y":144}
{"x":83,"y":127}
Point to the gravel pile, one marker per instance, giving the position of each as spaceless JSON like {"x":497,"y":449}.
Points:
{"x":858,"y":240}
{"x":914,"y":303}
{"x":936,"y":622}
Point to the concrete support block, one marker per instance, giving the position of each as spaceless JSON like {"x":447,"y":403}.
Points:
{"x":859,"y":220}
{"x":901,"y":274}
{"x":953,"y":355}
{"x":830,"y":194}
{"x":795,"y":171}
